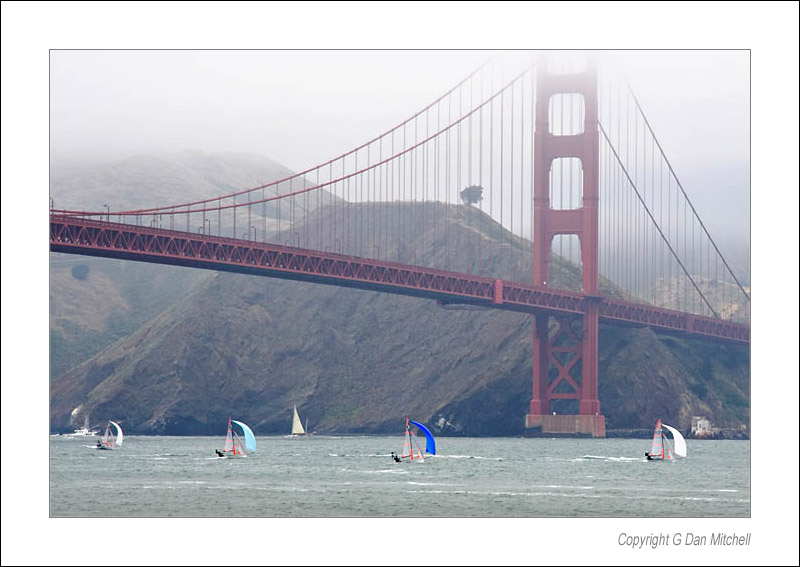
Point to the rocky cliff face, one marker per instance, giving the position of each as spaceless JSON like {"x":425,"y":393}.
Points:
{"x":352,"y":361}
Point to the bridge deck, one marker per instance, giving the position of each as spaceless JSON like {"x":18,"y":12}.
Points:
{"x":75,"y":235}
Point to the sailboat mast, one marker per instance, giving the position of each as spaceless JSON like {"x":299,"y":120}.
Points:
{"x":410,"y":445}
{"x":108,"y":438}
{"x":229,"y":447}
{"x":661,"y":436}
{"x":410,"y":439}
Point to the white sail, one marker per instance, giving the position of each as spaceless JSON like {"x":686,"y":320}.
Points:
{"x":108,"y":441}
{"x":680,"y":442}
{"x":297,"y":427}
{"x":657,"y":446}
{"x":411,"y":447}
{"x":120,"y":436}
{"x":407,"y":447}
{"x":238,"y":446}
{"x":420,"y":456}
{"x":229,"y":447}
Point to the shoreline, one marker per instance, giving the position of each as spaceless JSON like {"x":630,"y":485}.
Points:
{"x":732,"y":435}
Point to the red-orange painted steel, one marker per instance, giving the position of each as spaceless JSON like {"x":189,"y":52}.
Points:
{"x":76,"y":235}
{"x":582,"y":222}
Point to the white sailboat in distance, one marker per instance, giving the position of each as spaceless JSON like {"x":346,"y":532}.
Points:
{"x":297,"y":427}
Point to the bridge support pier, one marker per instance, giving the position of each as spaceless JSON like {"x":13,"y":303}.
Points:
{"x":565,"y":426}
{"x":565,"y":368}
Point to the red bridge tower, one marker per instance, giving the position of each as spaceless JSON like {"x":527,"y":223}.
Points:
{"x":565,"y":358}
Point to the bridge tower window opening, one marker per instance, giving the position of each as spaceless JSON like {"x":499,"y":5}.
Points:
{"x":566,"y":114}
{"x":566,"y":183}
{"x":566,"y":264}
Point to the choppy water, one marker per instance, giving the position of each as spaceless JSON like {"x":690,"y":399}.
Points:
{"x":355,"y":477}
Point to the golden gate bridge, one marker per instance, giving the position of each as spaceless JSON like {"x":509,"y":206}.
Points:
{"x":554,"y":169}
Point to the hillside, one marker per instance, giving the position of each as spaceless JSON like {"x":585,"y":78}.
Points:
{"x":133,"y":293}
{"x":352,"y":361}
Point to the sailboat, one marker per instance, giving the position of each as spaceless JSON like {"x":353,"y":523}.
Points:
{"x":297,"y":427}
{"x":430,"y":442}
{"x":662,"y":449}
{"x":109,"y":441}
{"x":234,"y":447}
{"x":411,"y":448}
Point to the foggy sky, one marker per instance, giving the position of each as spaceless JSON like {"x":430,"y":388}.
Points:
{"x":303,"y":107}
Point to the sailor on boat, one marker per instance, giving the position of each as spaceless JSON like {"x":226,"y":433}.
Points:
{"x":649,"y":457}
{"x":395,"y":457}
{"x":218,"y":453}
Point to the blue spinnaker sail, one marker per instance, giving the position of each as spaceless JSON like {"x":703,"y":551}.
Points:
{"x":249,"y":438}
{"x":430,"y":443}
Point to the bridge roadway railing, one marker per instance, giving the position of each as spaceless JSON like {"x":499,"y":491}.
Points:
{"x":78,"y":235}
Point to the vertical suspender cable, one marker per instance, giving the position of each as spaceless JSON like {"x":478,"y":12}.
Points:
{"x":480,"y":175}
{"x":502,"y":160}
{"x":661,"y":150}
{"x":491,"y":173}
{"x":459,"y":187}
{"x":533,"y":137}
{"x":511,"y":171}
{"x":521,"y":277}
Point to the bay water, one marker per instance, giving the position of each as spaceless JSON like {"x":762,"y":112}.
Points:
{"x":354,"y":477}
